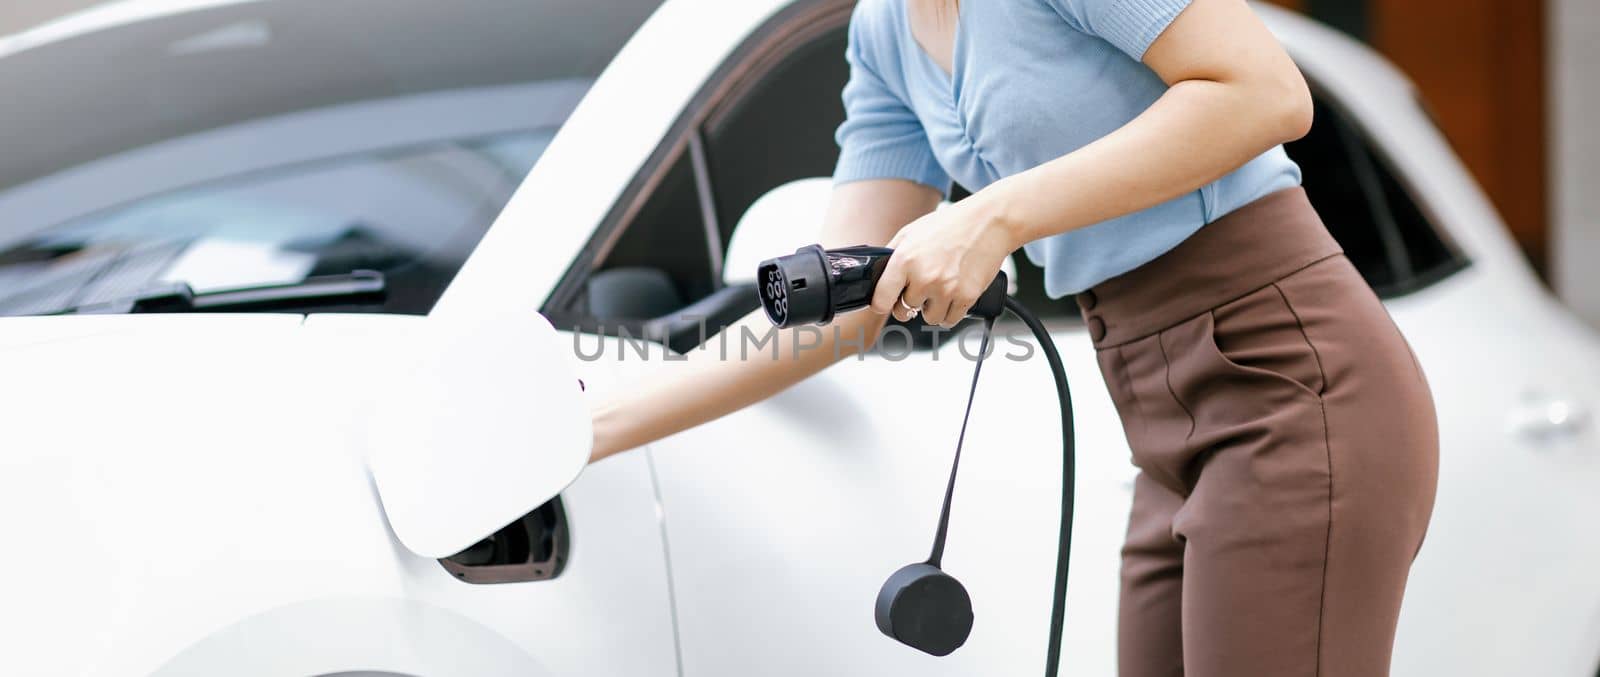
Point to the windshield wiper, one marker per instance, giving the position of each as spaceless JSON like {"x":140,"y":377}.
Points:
{"x":359,"y":286}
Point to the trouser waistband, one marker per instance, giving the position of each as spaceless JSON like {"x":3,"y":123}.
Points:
{"x":1250,"y":248}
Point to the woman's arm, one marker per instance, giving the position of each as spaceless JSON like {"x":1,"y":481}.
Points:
{"x":705,"y":387}
{"x":1233,"y":94}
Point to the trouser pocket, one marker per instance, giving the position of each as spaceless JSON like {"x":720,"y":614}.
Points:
{"x":1259,"y":336}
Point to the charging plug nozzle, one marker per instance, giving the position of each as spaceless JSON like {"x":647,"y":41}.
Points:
{"x":813,"y":284}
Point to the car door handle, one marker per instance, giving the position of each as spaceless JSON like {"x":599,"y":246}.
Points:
{"x":1544,"y":416}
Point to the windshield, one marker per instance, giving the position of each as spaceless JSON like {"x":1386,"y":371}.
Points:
{"x":240,"y":143}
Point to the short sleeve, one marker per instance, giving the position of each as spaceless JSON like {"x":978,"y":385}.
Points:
{"x":881,"y":138}
{"x":1129,"y":25}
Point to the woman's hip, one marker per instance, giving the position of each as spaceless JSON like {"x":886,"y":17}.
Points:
{"x":1263,"y":383}
{"x":1258,"y":339}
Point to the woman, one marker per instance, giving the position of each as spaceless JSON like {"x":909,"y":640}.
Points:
{"x":1284,"y":432}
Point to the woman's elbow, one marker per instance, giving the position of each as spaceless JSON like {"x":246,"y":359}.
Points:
{"x":1272,"y":110}
{"x":1292,"y":110}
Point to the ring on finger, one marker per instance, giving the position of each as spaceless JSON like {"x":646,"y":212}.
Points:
{"x":913,"y":312}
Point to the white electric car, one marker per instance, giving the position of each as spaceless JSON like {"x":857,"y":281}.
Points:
{"x":303,"y":298}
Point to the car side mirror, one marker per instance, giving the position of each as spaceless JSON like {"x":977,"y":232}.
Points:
{"x":786,"y":218}
{"x":782,"y":220}
{"x":484,"y":422}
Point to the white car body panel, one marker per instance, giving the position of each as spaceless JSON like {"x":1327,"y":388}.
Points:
{"x":170,"y":517}
{"x":782,"y":520}
{"x":1504,"y":583}
{"x":826,"y":492}
{"x":485,"y":423}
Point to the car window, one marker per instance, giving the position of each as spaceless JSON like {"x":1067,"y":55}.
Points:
{"x":773,"y":124}
{"x":778,"y":128}
{"x":771,"y":129}
{"x":409,"y":213}
{"x":664,"y":255}
{"x":239,"y":144}
{"x":1366,"y":208}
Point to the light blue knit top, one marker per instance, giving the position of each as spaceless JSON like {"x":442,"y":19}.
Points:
{"x":1033,"y":80}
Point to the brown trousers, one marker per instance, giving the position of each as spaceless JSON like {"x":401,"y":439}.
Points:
{"x":1287,"y":446}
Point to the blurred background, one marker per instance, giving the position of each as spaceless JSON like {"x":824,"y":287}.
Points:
{"x":1512,"y":84}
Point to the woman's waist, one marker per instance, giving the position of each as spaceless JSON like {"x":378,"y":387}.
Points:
{"x":1083,"y":258}
{"x":1245,"y":250}
{"x":1080,"y":259}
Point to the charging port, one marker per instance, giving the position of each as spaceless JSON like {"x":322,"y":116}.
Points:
{"x":533,"y":548}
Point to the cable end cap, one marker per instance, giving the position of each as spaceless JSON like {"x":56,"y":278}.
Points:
{"x":926,"y":609}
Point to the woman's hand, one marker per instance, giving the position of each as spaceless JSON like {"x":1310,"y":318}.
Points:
{"x":944,"y":261}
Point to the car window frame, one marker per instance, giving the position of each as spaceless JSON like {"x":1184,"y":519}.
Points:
{"x":763,"y":49}
{"x":1381,"y":157}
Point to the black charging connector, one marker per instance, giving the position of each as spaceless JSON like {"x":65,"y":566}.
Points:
{"x":813,"y":284}
{"x":920,"y":605}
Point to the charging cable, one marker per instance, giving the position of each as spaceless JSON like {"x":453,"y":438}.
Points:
{"x":920,"y":605}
